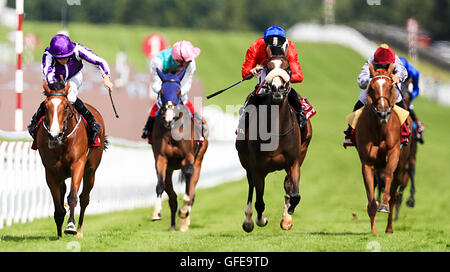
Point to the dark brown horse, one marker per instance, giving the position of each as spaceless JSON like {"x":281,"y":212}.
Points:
{"x":262,"y":151}
{"x":62,"y":140}
{"x":175,"y":147}
{"x":377,"y":136}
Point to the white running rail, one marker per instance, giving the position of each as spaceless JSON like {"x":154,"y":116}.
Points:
{"x":125,"y":179}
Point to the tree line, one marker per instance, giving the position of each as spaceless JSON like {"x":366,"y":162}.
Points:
{"x":257,"y":15}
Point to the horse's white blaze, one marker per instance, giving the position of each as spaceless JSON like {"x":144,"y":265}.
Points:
{"x":169,"y":113}
{"x":54,"y":128}
{"x":381,"y":83}
{"x":277,"y":63}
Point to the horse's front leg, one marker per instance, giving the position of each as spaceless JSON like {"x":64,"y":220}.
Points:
{"x":292,"y":197}
{"x":57,"y":189}
{"x":77,"y":171}
{"x":161,"y":167}
{"x":261,"y":220}
{"x":368,"y":175}
{"x":188,"y":170}
{"x":248,"y":224}
{"x":392,"y":162}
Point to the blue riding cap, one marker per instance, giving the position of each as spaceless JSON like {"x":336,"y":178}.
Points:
{"x":61,"y":46}
{"x":274,"y":31}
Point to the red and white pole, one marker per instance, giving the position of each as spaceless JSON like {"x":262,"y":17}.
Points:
{"x":19,"y":73}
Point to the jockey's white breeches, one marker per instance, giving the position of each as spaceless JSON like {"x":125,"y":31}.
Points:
{"x":75,"y":85}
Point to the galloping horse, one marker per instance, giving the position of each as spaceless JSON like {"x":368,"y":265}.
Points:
{"x":175,"y":147}
{"x":411,"y":166}
{"x":286,"y":150}
{"x":62,"y":141}
{"x":377,"y":136}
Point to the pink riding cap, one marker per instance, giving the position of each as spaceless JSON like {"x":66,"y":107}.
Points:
{"x":184,"y":51}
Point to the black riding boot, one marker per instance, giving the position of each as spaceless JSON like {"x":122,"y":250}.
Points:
{"x":35,"y":119}
{"x":147,"y":131}
{"x":294,"y":101}
{"x":86,"y":113}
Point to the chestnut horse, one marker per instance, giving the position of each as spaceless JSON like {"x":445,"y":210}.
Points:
{"x":175,"y":147}
{"x":62,"y":141}
{"x":377,"y":136}
{"x":282,"y":148}
{"x":411,"y":166}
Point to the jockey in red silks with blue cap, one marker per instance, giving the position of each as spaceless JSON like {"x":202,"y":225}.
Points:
{"x":256,"y":59}
{"x":65,"y":58}
{"x":180,"y":56}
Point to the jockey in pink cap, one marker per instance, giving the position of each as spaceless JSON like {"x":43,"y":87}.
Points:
{"x":181,"y":56}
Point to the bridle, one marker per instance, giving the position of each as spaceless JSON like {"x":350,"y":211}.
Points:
{"x":70,"y":112}
{"x":375,"y":102}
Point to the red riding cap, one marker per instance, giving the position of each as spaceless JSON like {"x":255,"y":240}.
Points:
{"x":384,"y":55}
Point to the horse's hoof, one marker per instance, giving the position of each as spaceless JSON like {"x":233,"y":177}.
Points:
{"x":384,"y":208}
{"x":172,"y":228}
{"x":156,"y":217}
{"x":410,"y":203}
{"x":286,"y":225}
{"x":248,"y":226}
{"x":263,"y":222}
{"x":70,"y":229}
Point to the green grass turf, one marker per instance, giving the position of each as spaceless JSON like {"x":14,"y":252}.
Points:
{"x":331,"y":183}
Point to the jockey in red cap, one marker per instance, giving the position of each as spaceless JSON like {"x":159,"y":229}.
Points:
{"x":383,"y":57}
{"x":256,"y":58}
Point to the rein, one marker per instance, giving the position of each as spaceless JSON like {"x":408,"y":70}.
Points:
{"x":68,"y":117}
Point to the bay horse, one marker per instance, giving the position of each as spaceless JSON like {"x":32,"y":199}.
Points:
{"x":62,"y":141}
{"x":261,"y":153}
{"x":377,"y":136}
{"x":175,"y":147}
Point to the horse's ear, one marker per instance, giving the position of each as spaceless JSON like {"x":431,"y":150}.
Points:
{"x":368,"y":94}
{"x":268,"y":52}
{"x":372,"y":70}
{"x":66,"y":88}
{"x":181,"y":74}
{"x":393,"y":97}
{"x":45,"y":86}
{"x":286,"y":51}
{"x":390,"y":69}
{"x":160,"y":74}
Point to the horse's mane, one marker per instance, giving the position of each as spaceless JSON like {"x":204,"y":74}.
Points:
{"x":56,"y":86}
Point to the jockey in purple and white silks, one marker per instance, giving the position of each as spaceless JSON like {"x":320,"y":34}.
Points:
{"x":65,"y":58}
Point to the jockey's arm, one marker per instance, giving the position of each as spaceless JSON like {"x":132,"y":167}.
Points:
{"x":249,"y":62}
{"x":297,"y":74}
{"x":47,"y":68}
{"x":364,"y":76}
{"x":400,"y":70}
{"x":86,"y":54}
{"x":156,"y":63}
{"x":186,"y":82}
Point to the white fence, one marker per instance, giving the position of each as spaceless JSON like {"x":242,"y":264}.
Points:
{"x":125,"y":179}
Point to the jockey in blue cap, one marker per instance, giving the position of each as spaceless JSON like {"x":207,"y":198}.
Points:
{"x":412,"y":83}
{"x":64,"y":58}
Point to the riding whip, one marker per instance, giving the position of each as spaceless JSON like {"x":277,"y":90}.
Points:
{"x":221,"y":91}
{"x":112,"y":102}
